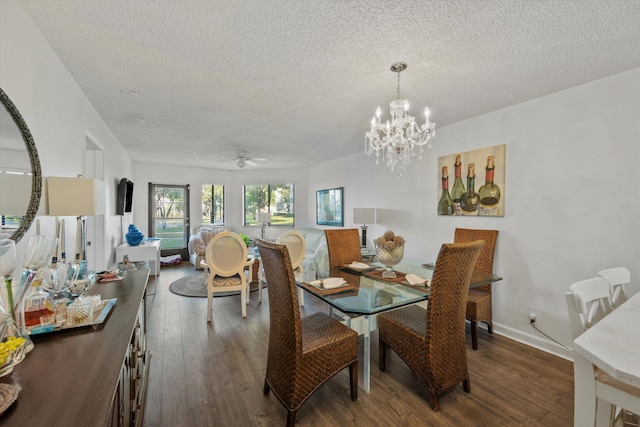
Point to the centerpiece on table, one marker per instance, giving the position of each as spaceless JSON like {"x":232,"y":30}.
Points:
{"x":389,"y":252}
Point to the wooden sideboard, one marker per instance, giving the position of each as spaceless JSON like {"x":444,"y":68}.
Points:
{"x":88,"y":376}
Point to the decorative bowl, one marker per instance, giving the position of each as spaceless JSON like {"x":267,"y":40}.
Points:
{"x":80,"y":311}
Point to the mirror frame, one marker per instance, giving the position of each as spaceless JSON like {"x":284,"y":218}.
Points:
{"x":36,"y":172}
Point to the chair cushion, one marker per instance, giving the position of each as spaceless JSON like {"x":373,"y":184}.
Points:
{"x":234,"y":280}
{"x":478,"y":305}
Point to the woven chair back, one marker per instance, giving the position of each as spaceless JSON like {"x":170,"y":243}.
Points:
{"x":343,"y":246}
{"x":295,"y":243}
{"x":285,"y":330}
{"x":484,"y":262}
{"x":445,"y":331}
{"x":226,"y":254}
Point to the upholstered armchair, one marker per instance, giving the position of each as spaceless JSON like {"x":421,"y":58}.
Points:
{"x":199,"y":240}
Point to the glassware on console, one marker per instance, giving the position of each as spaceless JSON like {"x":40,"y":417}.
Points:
{"x":36,"y":303}
{"x":12,"y":348}
{"x":56,"y":278}
{"x":39,"y":252}
{"x":76,"y":281}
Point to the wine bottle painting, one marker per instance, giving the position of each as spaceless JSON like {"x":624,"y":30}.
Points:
{"x":478,"y":182}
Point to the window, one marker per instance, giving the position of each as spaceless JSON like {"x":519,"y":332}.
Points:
{"x":274,"y":198}
{"x":10,"y":223}
{"x":212,"y":204}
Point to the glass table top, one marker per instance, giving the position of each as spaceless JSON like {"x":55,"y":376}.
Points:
{"x":374,"y":294}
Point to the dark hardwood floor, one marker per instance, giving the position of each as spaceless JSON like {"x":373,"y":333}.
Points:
{"x":212,"y":375}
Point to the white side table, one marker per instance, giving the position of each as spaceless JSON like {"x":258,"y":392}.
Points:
{"x":149,"y":250}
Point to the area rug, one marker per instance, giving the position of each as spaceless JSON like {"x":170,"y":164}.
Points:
{"x":194,"y":286}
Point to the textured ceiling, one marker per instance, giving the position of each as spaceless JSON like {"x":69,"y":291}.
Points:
{"x":297,"y":82}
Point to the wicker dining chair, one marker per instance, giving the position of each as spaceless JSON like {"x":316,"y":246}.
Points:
{"x":226,"y":260}
{"x":303,"y":352}
{"x":343,"y":246}
{"x":432,"y":342}
{"x":479,"y":300}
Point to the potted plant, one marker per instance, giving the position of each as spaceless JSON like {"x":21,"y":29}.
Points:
{"x":247,"y":239}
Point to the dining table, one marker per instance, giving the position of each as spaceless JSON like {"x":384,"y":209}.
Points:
{"x":367,"y":293}
{"x":612,"y":345}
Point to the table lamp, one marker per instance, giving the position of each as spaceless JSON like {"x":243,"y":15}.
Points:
{"x":364,"y":216}
{"x":264,"y":218}
{"x":15,"y":194}
{"x":80,"y":197}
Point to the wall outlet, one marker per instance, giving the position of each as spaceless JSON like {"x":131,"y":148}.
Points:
{"x":532,"y":315}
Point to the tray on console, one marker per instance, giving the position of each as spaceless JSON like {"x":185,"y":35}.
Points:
{"x":100,"y":313}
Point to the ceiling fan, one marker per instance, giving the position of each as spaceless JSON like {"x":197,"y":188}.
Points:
{"x":242,"y":160}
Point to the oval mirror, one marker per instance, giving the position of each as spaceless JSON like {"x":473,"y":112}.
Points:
{"x":18,"y":156}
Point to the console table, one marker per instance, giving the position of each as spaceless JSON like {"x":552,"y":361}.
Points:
{"x":149,"y":250}
{"x":87,"y":376}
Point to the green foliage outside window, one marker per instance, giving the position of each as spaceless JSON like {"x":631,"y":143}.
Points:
{"x":274,"y":198}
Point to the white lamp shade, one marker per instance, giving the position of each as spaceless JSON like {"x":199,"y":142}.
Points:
{"x":364,"y":215}
{"x":15,"y":194}
{"x":263,"y":217}
{"x":75,"y":196}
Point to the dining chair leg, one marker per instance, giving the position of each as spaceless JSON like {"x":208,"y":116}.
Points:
{"x":474,"y":334}
{"x":291,"y":418}
{"x":435,"y":403}
{"x":209,"y":302}
{"x":466,"y":384}
{"x":266,"y":388}
{"x":243,"y":300}
{"x":382,"y":355}
{"x":353,"y":376}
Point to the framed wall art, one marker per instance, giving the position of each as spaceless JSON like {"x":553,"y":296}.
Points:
{"x":472,"y":182}
{"x":330,"y":207}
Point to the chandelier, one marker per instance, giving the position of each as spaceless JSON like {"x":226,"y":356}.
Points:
{"x":399,"y":139}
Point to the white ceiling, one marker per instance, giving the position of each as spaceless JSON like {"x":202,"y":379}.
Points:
{"x":298,"y":81}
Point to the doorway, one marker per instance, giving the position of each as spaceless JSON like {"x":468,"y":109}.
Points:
{"x":93,"y":167}
{"x":169,"y":217}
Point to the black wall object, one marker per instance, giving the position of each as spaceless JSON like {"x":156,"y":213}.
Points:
{"x":125,"y":197}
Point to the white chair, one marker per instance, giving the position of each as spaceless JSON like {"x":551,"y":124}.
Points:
{"x":296,"y":245}
{"x":226,"y":260}
{"x":617,"y":277}
{"x":587,"y":302}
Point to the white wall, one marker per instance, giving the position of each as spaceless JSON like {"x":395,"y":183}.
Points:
{"x":233,"y":181}
{"x":571,"y":200}
{"x":60,"y":118}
